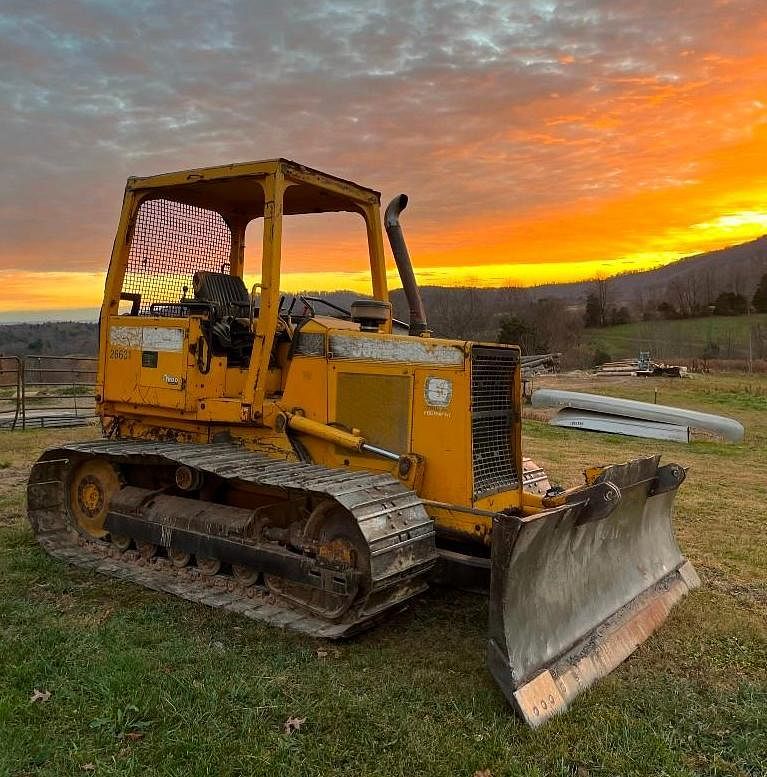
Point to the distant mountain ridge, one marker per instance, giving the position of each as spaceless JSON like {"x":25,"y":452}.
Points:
{"x":735,"y":268}
{"x":690,"y":282}
{"x":456,"y":311}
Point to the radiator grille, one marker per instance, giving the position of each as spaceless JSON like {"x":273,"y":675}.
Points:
{"x":492,"y":376}
{"x":170,"y":242}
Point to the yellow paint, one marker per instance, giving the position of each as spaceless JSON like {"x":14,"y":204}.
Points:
{"x":329,"y":434}
{"x":330,"y":403}
{"x":92,"y":485}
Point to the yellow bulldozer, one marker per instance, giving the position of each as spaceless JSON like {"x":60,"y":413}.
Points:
{"x":315,"y":467}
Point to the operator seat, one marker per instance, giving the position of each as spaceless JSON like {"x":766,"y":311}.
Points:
{"x":229,"y":325}
{"x":227,"y":293}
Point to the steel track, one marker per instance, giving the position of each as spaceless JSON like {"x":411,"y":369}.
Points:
{"x":392,"y":519}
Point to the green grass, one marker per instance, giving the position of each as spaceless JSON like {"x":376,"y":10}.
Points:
{"x":145,"y":684}
{"x":685,"y":338}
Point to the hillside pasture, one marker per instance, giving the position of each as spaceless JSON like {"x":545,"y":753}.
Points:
{"x":721,"y":337}
{"x":141,"y":683}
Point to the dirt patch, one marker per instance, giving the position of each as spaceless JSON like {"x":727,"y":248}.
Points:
{"x":753,"y":594}
{"x":11,"y":477}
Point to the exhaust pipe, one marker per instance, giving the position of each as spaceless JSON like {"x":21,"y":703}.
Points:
{"x":404,"y":266}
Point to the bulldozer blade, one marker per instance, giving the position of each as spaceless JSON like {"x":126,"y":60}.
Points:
{"x":576,"y":589}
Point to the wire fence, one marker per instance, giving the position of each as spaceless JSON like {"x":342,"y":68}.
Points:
{"x":42,"y":392}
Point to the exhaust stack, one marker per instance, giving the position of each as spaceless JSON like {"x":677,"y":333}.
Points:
{"x":404,"y":266}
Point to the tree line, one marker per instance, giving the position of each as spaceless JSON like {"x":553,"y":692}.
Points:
{"x":684,"y":299}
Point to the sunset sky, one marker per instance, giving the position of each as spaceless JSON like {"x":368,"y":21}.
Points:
{"x":538,"y":141}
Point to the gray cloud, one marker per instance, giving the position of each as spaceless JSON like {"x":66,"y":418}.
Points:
{"x":472,"y":107}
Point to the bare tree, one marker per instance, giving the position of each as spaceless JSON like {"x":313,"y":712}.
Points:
{"x":686,"y":291}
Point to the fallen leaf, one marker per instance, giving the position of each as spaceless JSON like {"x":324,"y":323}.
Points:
{"x":134,"y":736}
{"x":123,"y":752}
{"x":89,"y":767}
{"x":293,"y":724}
{"x":322,"y":653}
{"x":39,"y":696}
{"x":483,"y":773}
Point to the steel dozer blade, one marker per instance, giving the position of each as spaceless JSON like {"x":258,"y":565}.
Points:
{"x":576,"y":589}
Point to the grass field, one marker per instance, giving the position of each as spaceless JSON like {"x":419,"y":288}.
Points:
{"x":143,"y":684}
{"x":687,"y":338}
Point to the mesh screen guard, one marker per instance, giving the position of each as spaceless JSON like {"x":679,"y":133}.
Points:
{"x":170,"y":242}
{"x":493,"y":455}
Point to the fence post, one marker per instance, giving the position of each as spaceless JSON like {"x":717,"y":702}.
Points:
{"x":23,"y":380}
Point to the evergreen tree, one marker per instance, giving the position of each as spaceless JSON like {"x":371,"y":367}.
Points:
{"x":515,"y":331}
{"x":667,"y":311}
{"x":728,"y":303}
{"x":760,"y":295}
{"x":620,"y":315}
{"x":593,"y":316}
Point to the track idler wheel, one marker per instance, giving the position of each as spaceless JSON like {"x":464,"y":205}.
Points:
{"x":147,"y":550}
{"x":179,"y":558}
{"x":92,"y":484}
{"x":121,"y":541}
{"x":245,"y":575}
{"x":208,"y":566}
{"x":336,"y":539}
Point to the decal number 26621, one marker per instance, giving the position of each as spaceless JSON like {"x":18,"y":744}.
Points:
{"x":116,"y":352}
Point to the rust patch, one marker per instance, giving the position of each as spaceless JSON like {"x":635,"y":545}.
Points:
{"x":591,"y":474}
{"x":338,"y":551}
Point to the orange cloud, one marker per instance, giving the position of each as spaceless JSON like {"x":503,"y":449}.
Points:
{"x":534,"y":148}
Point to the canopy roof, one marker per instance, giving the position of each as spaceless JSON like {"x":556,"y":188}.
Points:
{"x":237,"y":188}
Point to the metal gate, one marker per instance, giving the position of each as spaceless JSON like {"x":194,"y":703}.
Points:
{"x":42,"y":392}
